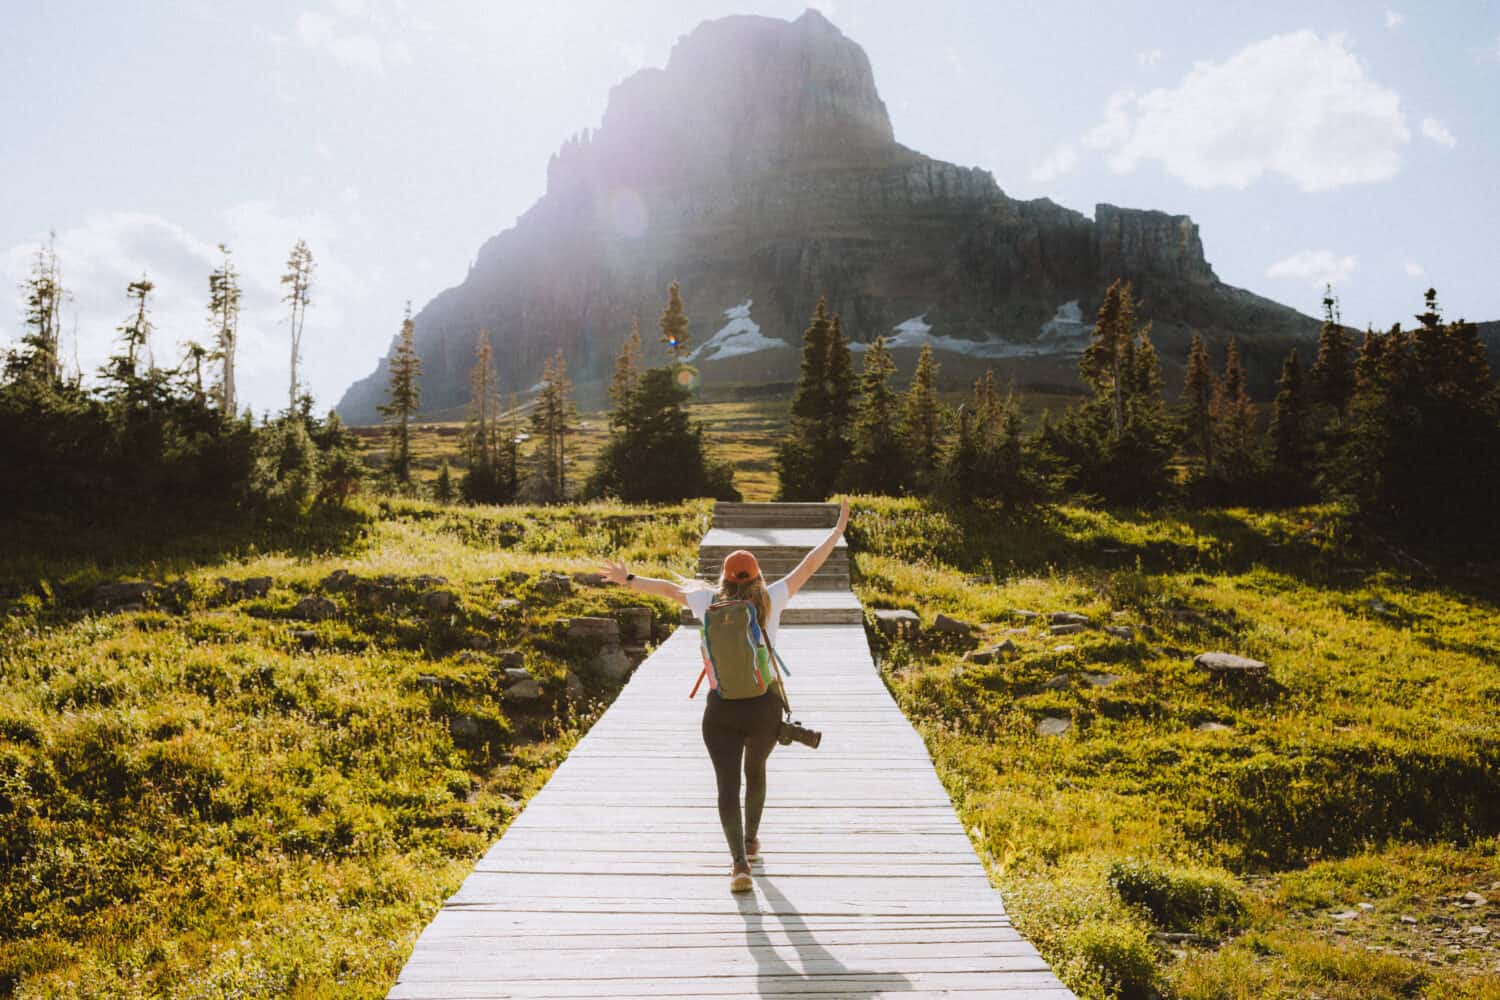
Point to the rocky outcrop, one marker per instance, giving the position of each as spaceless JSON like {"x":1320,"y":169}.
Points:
{"x":759,"y":169}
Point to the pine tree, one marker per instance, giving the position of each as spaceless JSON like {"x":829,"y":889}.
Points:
{"x":224,"y":314}
{"x":1333,"y":371}
{"x":552,"y":419}
{"x":876,"y":458}
{"x":921,"y":422}
{"x":135,"y":332}
{"x":442,"y":488}
{"x":1107,"y":363}
{"x":1233,"y":416}
{"x":801,"y":457}
{"x":40,"y":356}
{"x":841,"y":388}
{"x":674,"y":325}
{"x":479,"y":483}
{"x":1198,"y":395}
{"x":627,"y":367}
{"x":1288,"y":431}
{"x":298,"y":279}
{"x":405,"y":397}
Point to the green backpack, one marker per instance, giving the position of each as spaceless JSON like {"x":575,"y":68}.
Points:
{"x":736,"y":652}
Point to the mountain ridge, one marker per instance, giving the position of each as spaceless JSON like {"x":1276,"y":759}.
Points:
{"x":759,"y":168}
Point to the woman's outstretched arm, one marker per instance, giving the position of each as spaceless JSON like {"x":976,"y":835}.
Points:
{"x":815,"y":557}
{"x":615,"y":572}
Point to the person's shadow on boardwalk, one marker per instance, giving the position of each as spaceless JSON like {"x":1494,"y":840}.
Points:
{"x":774,"y":977}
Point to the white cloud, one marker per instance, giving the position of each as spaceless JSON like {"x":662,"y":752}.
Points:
{"x":1058,"y":162}
{"x":1297,"y":106}
{"x":1316,"y":267}
{"x":1438,"y":132}
{"x":349,"y":195}
{"x":99,"y":258}
{"x":348,"y":37}
{"x":1413,"y":269}
{"x":1393,"y":19}
{"x":1148,"y":58}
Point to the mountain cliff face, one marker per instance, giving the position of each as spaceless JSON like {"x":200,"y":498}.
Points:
{"x":759,"y":169}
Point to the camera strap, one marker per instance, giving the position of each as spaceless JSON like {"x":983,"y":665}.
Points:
{"x":776,"y":665}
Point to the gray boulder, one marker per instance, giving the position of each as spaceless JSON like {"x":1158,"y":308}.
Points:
{"x":439,"y":601}
{"x":554,"y":585}
{"x":1072,"y":629}
{"x":1067,"y":618}
{"x":952,"y":626}
{"x":524,"y":690}
{"x":1120,"y":632}
{"x":897,"y":621}
{"x":990,"y":653}
{"x":1053,"y":726}
{"x":635,"y":624}
{"x":1229,"y":665}
{"x":315,"y":608}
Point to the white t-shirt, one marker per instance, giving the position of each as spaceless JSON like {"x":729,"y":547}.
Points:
{"x":699,"y":600}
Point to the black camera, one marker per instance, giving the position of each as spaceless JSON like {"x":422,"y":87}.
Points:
{"x":790,"y":730}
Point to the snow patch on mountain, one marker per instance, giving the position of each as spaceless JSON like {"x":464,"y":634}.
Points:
{"x":739,"y":335}
{"x":917,"y":332}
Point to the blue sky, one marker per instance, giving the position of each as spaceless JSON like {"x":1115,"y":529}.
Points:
{"x":1352,"y":143}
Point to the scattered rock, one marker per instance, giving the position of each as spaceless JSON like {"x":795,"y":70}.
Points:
{"x":470,"y":657}
{"x":480,"y":641}
{"x":991,"y":653}
{"x":981,"y":581}
{"x":518,"y":576}
{"x":1015,"y":631}
{"x":593,"y":628}
{"x":1120,"y":632}
{"x":339,"y":579}
{"x":1378,"y":606}
{"x":603,"y":634}
{"x":524,"y":690}
{"x":589,"y":579}
{"x":1408,"y":920}
{"x":1228,"y":664}
{"x":1065,"y":647}
{"x":1478,"y":932}
{"x":1212,"y":727}
{"x":635,"y":624}
{"x":114,"y":594}
{"x":1103,"y":680}
{"x":1053,"y":726}
{"x":466,"y":729}
{"x":1346,"y":915}
{"x":554,"y":585}
{"x":431,"y":681}
{"x":315,"y":607}
{"x":1072,"y":629}
{"x":511,"y":657}
{"x":1067,"y":618}
{"x":256,"y":586}
{"x":426,"y":582}
{"x":1025,"y":615}
{"x":1057,"y":682}
{"x":439,"y":601}
{"x":897,"y":621}
{"x":953,"y":626}
{"x":513,"y":674}
{"x":507,"y":604}
{"x":573,"y":686}
{"x":1367,"y":907}
{"x":1472,"y":899}
{"x":306,"y":636}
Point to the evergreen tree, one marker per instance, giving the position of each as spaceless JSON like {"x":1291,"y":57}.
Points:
{"x":405,"y":397}
{"x":1197,"y":397}
{"x":987,"y":460}
{"x":674,"y":325}
{"x":298,"y":279}
{"x":552,"y":420}
{"x":1290,"y":452}
{"x":224,"y":314}
{"x":1107,"y":361}
{"x":39,"y":357}
{"x":1333,"y":371}
{"x":922,"y":422}
{"x":841,"y":397}
{"x":876,"y":458}
{"x":627,"y":367}
{"x":486,"y":480}
{"x":1233,"y":419}
{"x":801,"y":469}
{"x":442,"y":488}
{"x":655,"y":453}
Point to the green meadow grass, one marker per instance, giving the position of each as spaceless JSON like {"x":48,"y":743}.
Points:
{"x":1146,"y":853}
{"x":196,"y":802}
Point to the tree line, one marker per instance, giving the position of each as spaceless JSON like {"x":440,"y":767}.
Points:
{"x":1403,"y":429}
{"x":168,"y":438}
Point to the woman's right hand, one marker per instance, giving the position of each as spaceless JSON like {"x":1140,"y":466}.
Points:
{"x":614,"y":572}
{"x":843,"y":516}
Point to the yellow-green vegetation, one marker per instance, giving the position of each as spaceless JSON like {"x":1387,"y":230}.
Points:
{"x":211,"y":792}
{"x":1310,"y":834}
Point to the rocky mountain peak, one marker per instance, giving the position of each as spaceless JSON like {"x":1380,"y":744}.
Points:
{"x":739,"y":95}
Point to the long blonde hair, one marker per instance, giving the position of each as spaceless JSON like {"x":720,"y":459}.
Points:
{"x":748,"y":590}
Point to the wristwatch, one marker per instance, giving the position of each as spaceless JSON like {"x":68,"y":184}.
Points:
{"x":629,"y":577}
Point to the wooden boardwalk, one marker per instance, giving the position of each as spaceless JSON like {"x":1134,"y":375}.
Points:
{"x":614,"y":879}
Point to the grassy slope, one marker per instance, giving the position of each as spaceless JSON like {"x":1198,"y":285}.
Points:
{"x":1364,"y":772}
{"x":194,"y":804}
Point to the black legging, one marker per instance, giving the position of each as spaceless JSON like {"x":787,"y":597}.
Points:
{"x":734,"y":728}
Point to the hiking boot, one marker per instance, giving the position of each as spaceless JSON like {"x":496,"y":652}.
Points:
{"x":752,"y":849}
{"x":739,"y":879}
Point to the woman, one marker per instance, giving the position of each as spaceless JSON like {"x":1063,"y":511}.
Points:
{"x":740,"y":729}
